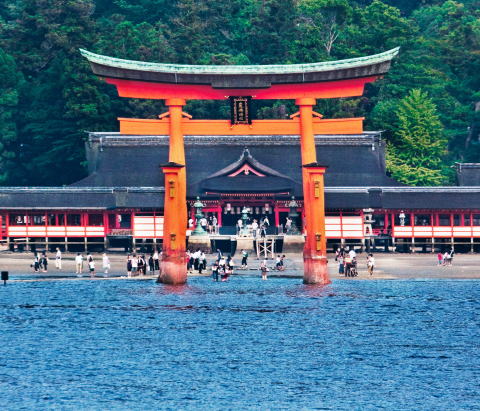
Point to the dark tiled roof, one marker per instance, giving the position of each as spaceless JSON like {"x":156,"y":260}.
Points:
{"x":121,"y":160}
{"x":468,"y":174}
{"x":80,"y":198}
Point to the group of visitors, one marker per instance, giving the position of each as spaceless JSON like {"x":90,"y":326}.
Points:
{"x":279,"y":263}
{"x":209,"y":224}
{"x":255,"y":228}
{"x":196,"y":261}
{"x":40,"y":262}
{"x":445,"y":258}
{"x":222,"y":267}
{"x":347,"y":262}
{"x":140,"y":265}
{"x":91,"y":264}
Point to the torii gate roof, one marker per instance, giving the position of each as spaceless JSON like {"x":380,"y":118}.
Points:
{"x":242,"y":78}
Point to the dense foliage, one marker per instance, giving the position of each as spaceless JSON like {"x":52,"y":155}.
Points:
{"x":428,"y":105}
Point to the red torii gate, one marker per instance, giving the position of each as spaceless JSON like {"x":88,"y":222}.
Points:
{"x":303,"y":82}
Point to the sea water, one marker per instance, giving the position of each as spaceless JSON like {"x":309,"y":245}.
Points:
{"x":241,"y":344}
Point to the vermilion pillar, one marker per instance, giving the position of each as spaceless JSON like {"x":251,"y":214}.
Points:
{"x":314,"y":252}
{"x":173,"y":268}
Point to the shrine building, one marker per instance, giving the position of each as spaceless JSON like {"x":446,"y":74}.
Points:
{"x":241,"y":165}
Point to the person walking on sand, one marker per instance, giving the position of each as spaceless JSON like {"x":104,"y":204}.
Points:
{"x":44,"y":262}
{"x":105,"y":263}
{"x":370,"y":263}
{"x":134,"y":265}
{"x":129,"y":266}
{"x":58,"y":259}
{"x":156,"y":259}
{"x":151,"y":265}
{"x":78,"y":264}
{"x":215,"y":268}
{"x":264,"y":269}
{"x":244,"y":259}
{"x":91,"y":266}
{"x":36,"y":262}
{"x":440,"y":258}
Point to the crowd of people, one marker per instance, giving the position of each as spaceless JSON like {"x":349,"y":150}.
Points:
{"x":221,"y":268}
{"x":347,"y":262}
{"x":209,"y":224}
{"x":254,"y":227}
{"x":41,"y":260}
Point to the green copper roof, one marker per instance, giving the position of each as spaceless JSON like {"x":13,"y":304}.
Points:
{"x":247,"y":69}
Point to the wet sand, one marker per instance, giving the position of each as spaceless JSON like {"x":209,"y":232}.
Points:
{"x":388,"y":266}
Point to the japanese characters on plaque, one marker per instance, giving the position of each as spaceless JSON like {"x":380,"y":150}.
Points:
{"x":240,"y":110}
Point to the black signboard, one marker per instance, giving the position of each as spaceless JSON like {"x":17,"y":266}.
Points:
{"x":240,"y":110}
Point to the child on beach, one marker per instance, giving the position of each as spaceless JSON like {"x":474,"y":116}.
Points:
{"x":440,"y":258}
{"x":264,"y":269}
{"x":370,"y":263}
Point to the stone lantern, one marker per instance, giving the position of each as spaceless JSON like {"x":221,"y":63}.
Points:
{"x":292,"y":215}
{"x":198,"y":205}
{"x":245,"y":212}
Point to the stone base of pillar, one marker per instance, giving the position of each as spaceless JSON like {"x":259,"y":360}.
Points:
{"x":244,"y":244}
{"x":293,"y":243}
{"x":315,"y":270}
{"x":200,"y":242}
{"x":173,"y":268}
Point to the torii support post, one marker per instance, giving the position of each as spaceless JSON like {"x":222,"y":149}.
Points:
{"x":173,"y":269}
{"x":314,"y":252}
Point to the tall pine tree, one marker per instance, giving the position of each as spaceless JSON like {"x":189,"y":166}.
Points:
{"x":418,"y":156}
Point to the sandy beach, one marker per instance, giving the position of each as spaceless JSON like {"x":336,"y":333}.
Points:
{"x":388,"y":266}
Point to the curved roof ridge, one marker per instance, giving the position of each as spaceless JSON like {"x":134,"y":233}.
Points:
{"x":246,"y":157}
{"x":355,"y":62}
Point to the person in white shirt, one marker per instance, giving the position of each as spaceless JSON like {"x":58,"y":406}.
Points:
{"x":204,"y":223}
{"x":58,"y":259}
{"x":134,"y":265}
{"x":105,"y":263}
{"x":214,"y":224}
{"x":196,"y":260}
{"x":370,"y":263}
{"x":91,"y":266}
{"x":352,"y":253}
{"x":156,"y":263}
{"x":254,"y":228}
{"x":239,"y":225}
{"x":79,"y":263}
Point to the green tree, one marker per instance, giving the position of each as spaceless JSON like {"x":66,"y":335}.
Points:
{"x":272,"y":32}
{"x":321,"y":22}
{"x":9,"y":84}
{"x":418,"y":156}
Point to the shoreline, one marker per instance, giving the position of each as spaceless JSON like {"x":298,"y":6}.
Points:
{"x":388,"y":267}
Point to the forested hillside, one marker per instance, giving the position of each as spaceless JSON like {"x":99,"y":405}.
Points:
{"x":428,"y":105}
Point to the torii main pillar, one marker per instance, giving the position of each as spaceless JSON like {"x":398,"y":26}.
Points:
{"x":173,"y":264}
{"x":315,"y":249}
